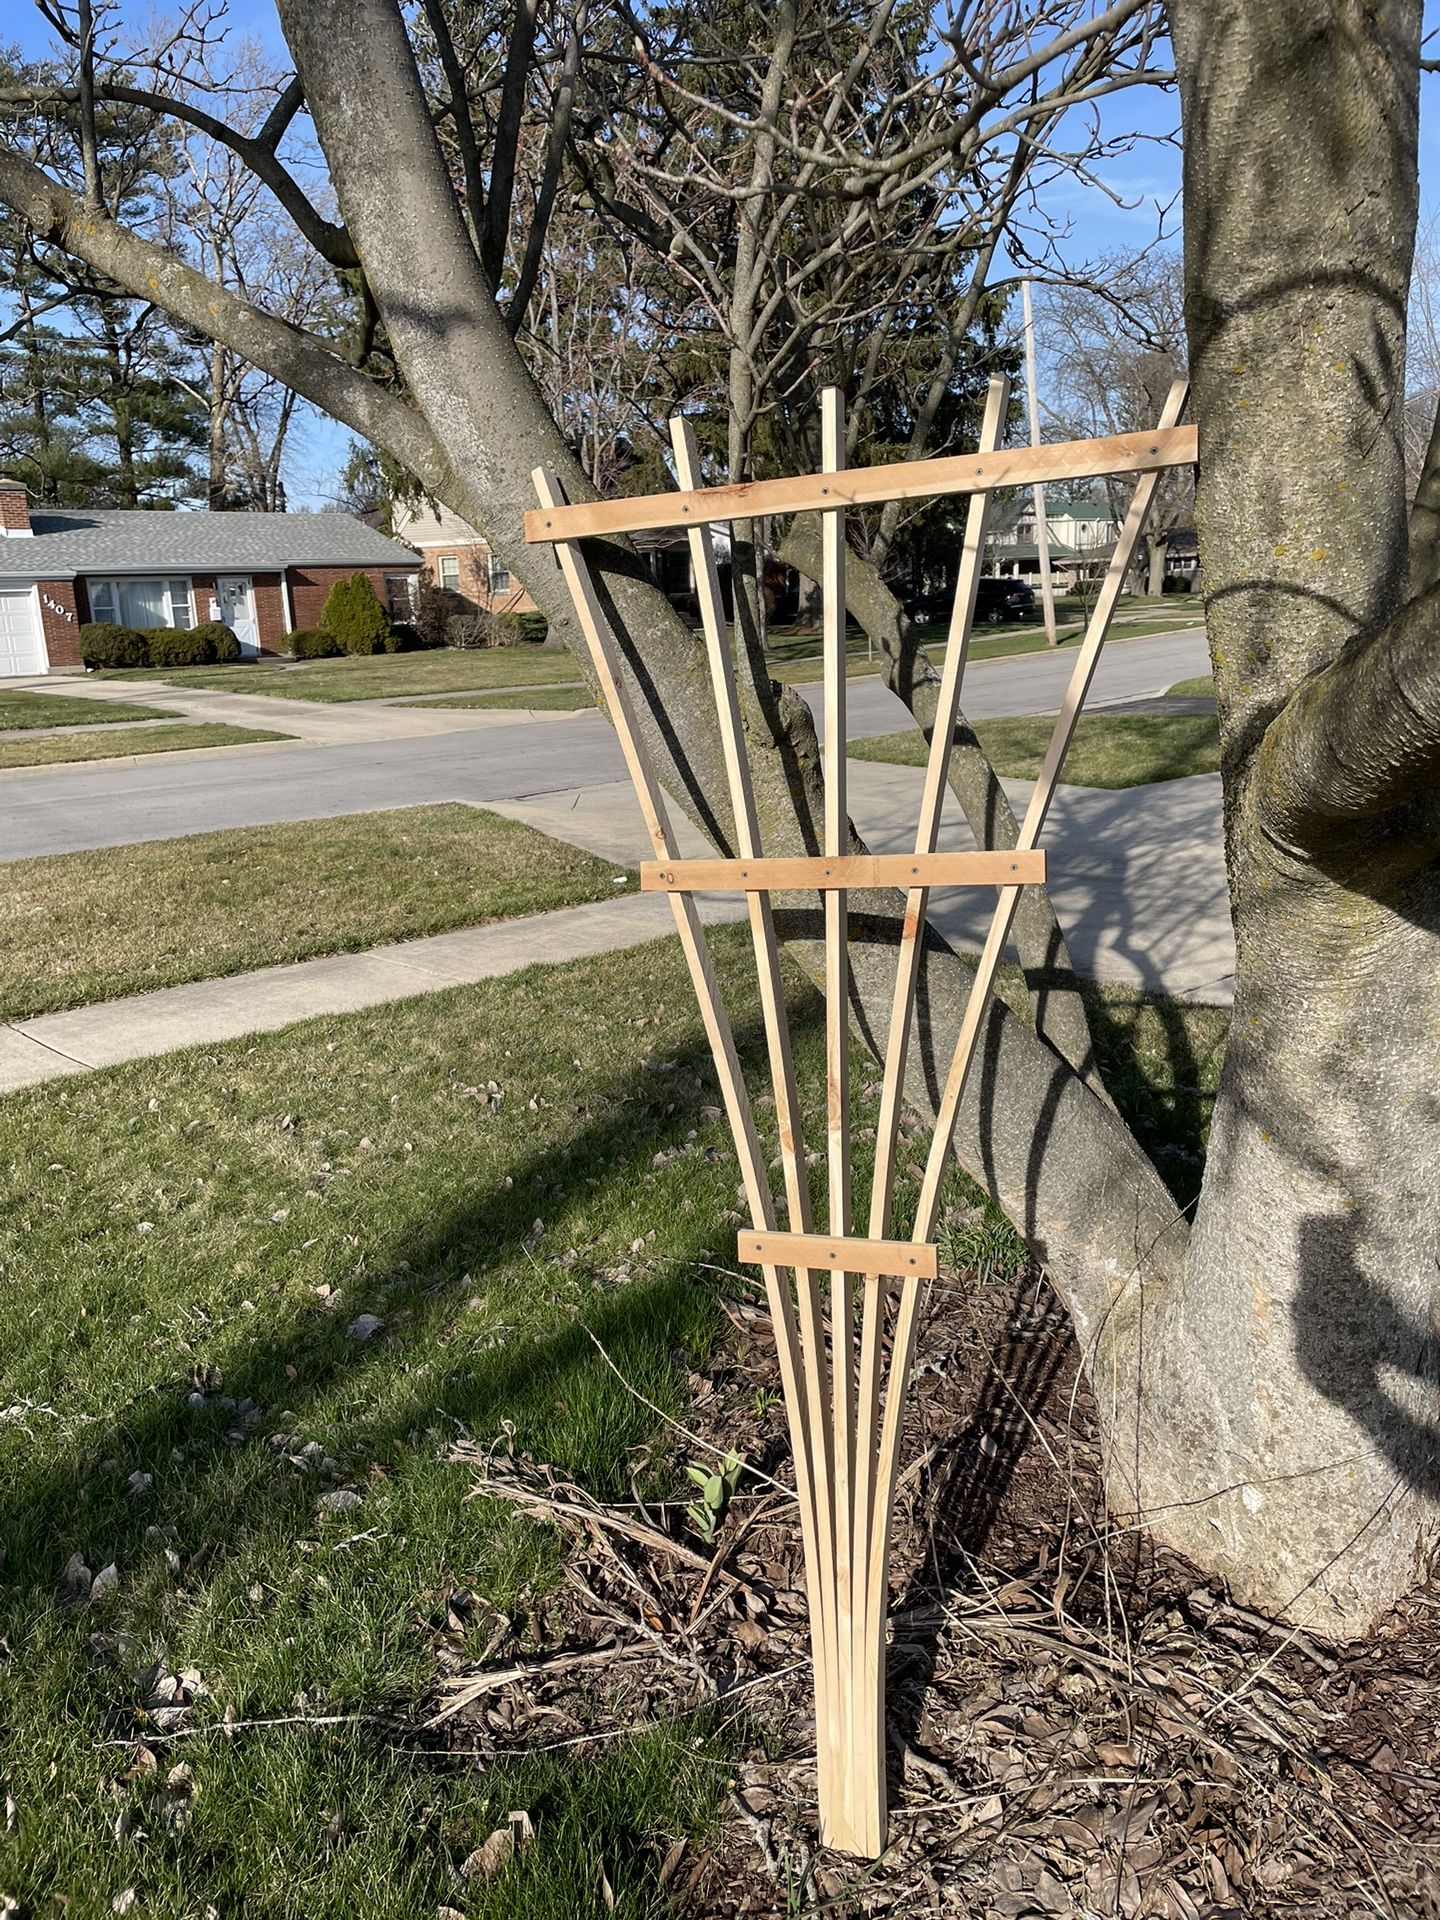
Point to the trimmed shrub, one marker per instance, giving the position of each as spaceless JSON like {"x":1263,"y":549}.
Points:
{"x":354,"y":616}
{"x":402,"y":638}
{"x":313,"y":643}
{"x":180,"y":647}
{"x":534,"y":628}
{"x":223,"y":642}
{"x":105,"y":643}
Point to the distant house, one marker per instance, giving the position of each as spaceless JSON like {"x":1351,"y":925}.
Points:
{"x":1182,"y":557}
{"x":454,"y":556}
{"x":264,"y":574}
{"x":1080,"y":536}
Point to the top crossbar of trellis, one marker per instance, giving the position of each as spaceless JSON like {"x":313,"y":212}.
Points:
{"x":1115,"y":453}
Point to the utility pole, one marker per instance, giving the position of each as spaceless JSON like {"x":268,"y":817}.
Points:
{"x":1042,"y":537}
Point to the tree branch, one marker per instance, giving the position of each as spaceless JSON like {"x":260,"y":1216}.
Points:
{"x":500,"y":199}
{"x":1360,"y":739}
{"x":147,"y":272}
{"x":460,"y":113}
{"x":331,"y":242}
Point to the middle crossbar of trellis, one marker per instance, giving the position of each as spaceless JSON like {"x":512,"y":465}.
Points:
{"x":845,"y":1414}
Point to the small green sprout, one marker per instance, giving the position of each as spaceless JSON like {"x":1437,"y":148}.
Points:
{"x":716,"y":1491}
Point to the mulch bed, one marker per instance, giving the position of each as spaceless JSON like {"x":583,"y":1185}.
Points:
{"x":1079,"y":1726}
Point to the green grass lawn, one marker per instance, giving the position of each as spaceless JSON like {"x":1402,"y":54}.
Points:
{"x":1201,"y":688}
{"x":382,"y":676}
{"x":1109,"y":750}
{"x":538,"y":699}
{"x":19,"y":710}
{"x":82,"y":927}
{"x":187,"y":1244}
{"x":50,"y":748}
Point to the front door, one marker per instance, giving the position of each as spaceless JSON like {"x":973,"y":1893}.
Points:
{"x":22,"y":644}
{"x":237,"y":610}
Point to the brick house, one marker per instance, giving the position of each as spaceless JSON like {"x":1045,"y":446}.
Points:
{"x":458,"y":559}
{"x":264,"y":574}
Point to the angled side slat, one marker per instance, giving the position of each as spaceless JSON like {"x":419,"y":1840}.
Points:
{"x":750,"y":1152}
{"x":979,"y":997}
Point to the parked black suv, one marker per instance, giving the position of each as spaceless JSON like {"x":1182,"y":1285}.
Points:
{"x":999,"y":599}
{"x":995,"y":599}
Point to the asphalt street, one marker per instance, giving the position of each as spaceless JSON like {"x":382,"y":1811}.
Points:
{"x":106,"y":804}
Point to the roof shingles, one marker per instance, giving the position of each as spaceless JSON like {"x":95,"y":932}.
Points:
{"x":73,"y":540}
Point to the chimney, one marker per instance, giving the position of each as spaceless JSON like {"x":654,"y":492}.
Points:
{"x":14,"y":507}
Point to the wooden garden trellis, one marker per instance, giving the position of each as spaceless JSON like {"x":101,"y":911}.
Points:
{"x":845,"y":1412}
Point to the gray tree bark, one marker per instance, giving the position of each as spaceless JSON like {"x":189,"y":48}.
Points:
{"x":1298,"y":1358}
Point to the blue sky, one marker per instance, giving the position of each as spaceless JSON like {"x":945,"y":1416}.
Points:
{"x":1141,"y":183}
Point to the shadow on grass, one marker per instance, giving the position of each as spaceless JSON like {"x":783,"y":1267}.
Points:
{"x":280,"y":1609}
{"x":555,"y":1387}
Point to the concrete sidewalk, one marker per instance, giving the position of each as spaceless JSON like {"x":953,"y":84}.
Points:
{"x":210,"y":1012}
{"x":1137,"y":873}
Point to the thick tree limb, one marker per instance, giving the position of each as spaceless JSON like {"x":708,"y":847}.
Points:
{"x":1360,"y":738}
{"x":331,"y":242}
{"x":55,"y":214}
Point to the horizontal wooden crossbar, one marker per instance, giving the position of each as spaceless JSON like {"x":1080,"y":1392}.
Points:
{"x":845,"y":871}
{"x":896,"y":1259}
{"x":868,"y":486}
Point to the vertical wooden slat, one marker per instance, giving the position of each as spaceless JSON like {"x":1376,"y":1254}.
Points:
{"x":932,"y":807}
{"x":846,"y":1823}
{"x":868,"y":1625}
{"x":979,"y":998}
{"x":818,"y":1440}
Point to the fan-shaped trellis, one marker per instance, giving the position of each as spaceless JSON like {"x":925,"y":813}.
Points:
{"x":845,"y":1406}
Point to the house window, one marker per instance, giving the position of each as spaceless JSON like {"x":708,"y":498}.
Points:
{"x":400,"y":595}
{"x":499,"y":576}
{"x":449,"y":572}
{"x":142,"y":603}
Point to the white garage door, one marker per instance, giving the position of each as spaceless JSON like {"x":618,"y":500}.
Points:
{"x":22,"y":645}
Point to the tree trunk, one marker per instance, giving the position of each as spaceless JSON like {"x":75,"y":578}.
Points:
{"x":1285,"y":1426}
{"x":1155,"y":585}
